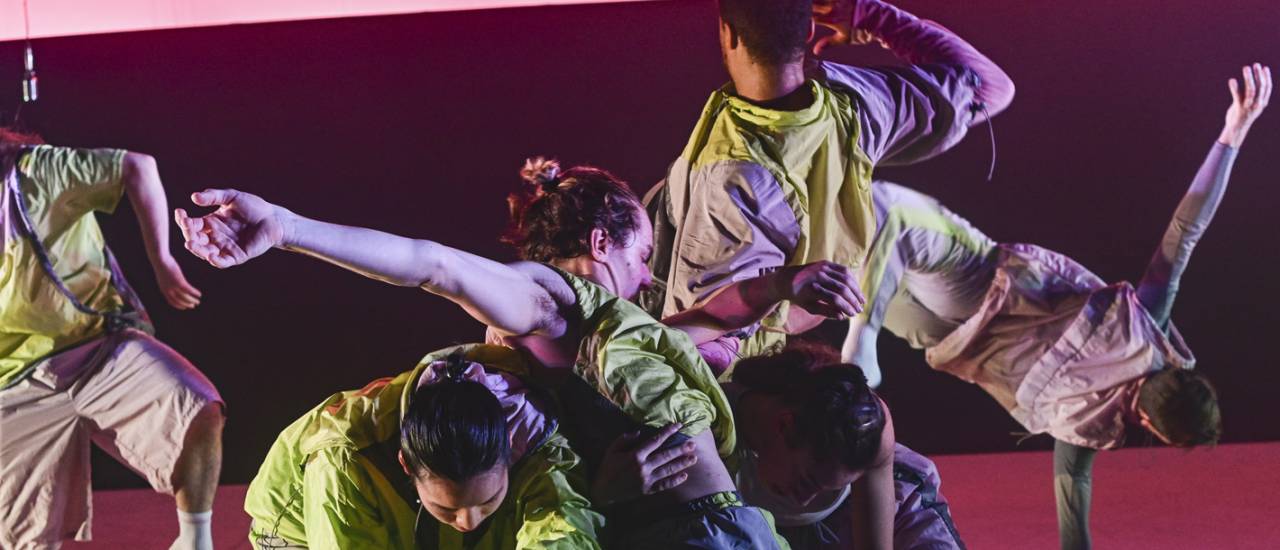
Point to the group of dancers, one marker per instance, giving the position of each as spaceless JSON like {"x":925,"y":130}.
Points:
{"x":637,"y":385}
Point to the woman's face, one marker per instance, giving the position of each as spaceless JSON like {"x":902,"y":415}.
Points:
{"x":793,"y":471}
{"x":627,"y":261}
{"x":462,"y":505}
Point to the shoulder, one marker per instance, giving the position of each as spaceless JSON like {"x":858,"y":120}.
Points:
{"x":550,"y":279}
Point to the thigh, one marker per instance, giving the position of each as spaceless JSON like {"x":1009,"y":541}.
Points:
{"x":44,"y":467}
{"x":141,"y":401}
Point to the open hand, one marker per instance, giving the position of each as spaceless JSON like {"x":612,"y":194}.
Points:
{"x":634,"y":466}
{"x":243,"y":227}
{"x":1246,"y":104}
{"x":823,"y":288}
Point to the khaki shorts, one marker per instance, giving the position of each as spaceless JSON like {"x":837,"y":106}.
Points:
{"x":129,"y":393}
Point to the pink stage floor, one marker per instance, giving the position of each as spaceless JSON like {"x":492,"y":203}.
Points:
{"x":1143,"y":498}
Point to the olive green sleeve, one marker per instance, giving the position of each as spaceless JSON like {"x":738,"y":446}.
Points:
{"x":555,"y":514}
{"x":79,"y":180}
{"x":336,"y":506}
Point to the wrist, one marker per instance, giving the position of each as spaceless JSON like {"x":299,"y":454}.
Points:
{"x":288,"y":222}
{"x":1232,"y":136}
{"x":779,"y":286}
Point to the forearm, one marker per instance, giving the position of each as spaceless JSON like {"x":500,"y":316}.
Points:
{"x":146,"y":194}
{"x":1160,"y":283}
{"x":392,"y":259}
{"x":493,"y":293}
{"x":736,"y":306}
{"x":874,"y":502}
{"x":1073,"y":490}
{"x":921,"y":42}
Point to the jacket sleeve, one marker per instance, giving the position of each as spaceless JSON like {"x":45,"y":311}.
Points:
{"x":338,"y":513}
{"x":738,"y":225}
{"x":912,"y":113}
{"x":81,"y":180}
{"x":555,"y":514}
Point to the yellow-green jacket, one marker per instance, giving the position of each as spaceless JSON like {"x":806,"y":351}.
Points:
{"x":332,"y":479}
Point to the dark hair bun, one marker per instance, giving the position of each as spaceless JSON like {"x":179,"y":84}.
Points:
{"x":542,"y":173}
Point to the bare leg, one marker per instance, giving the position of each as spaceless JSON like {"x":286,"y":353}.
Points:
{"x":195,"y":477}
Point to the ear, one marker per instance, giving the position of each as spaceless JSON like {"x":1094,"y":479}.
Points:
{"x":600,"y":244}
{"x":728,"y":36}
{"x":403,"y":464}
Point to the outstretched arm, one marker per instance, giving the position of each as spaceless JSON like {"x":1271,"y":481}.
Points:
{"x":1159,"y":284}
{"x":1073,"y":489}
{"x":142,"y":185}
{"x":244,"y":226}
{"x":825,"y":289}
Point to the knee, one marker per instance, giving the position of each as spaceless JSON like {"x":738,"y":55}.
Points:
{"x":207,"y":423}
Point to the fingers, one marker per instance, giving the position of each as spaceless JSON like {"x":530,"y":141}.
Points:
{"x":668,"y":483}
{"x":671,"y":475}
{"x":181,"y":299}
{"x":623,"y":442}
{"x":661,"y":459}
{"x":656,"y":440}
{"x":214,"y":197}
{"x":1263,"y":74}
{"x":1249,"y":87}
{"x":1234,"y":86}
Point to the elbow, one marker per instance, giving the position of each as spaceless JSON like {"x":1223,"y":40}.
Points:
{"x":136,"y":166}
{"x":994,"y":89}
{"x":138,"y":170}
{"x":428,"y":268}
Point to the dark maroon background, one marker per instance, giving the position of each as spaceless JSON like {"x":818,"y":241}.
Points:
{"x":417,"y":124}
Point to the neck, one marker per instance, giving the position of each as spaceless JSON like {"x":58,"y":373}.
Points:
{"x":586,"y":267}
{"x":765,"y":84}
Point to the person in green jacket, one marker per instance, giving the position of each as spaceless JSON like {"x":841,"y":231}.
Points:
{"x":459,"y":436}
{"x":613,"y":367}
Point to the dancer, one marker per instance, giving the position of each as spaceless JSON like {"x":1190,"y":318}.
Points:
{"x":1063,"y":352}
{"x":77,"y":360}
{"x":818,"y":451}
{"x":613,"y":367}
{"x":778,"y":169}
{"x":461,"y":434}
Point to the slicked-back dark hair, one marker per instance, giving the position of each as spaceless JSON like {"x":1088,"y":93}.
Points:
{"x":554,"y":212}
{"x":773,"y":31}
{"x":1182,"y":406}
{"x":455,"y":428}
{"x":837,"y":415}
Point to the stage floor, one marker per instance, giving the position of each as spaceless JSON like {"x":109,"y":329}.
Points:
{"x":1143,"y":498}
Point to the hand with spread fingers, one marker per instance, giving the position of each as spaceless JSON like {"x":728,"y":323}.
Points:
{"x":635,"y":466}
{"x":1247,"y":102}
{"x":243,"y":227}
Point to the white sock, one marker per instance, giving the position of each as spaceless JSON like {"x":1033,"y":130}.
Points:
{"x":195,"y":531}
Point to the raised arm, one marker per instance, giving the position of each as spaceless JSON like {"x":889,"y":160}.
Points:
{"x":824,"y":289}
{"x":142,"y":185}
{"x":244,"y":226}
{"x":1159,"y":284}
{"x":910,"y":113}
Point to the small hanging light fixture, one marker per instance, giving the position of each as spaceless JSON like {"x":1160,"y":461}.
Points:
{"x":30,"y":87}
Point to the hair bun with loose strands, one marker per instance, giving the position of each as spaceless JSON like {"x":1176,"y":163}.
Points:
{"x":542,"y":173}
